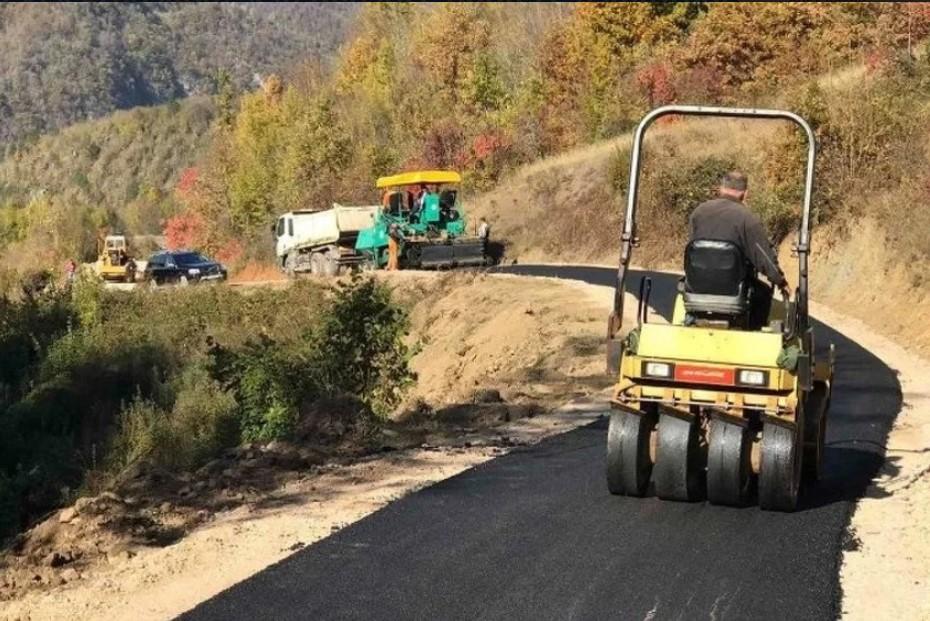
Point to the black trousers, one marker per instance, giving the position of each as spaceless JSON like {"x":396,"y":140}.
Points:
{"x":760,"y":304}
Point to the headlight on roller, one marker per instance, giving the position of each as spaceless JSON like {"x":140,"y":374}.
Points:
{"x":752,"y":377}
{"x":658,"y":369}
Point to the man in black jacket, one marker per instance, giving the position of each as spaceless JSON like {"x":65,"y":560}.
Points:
{"x":726,"y":218}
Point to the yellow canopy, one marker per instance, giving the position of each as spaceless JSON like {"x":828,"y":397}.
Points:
{"x":418,"y":177}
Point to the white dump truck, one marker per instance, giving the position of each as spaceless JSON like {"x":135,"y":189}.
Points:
{"x":321,"y":242}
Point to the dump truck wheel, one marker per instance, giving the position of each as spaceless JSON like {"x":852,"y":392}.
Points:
{"x":780,"y":471}
{"x":316,"y":264}
{"x":728,"y":466}
{"x":628,"y":461}
{"x":290,"y":263}
{"x":679,"y":468}
{"x":330,"y":267}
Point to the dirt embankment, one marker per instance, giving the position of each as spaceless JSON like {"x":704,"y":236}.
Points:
{"x":498,"y":354}
{"x":536,"y":340}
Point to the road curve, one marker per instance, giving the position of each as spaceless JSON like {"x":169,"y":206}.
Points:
{"x":534,"y":534}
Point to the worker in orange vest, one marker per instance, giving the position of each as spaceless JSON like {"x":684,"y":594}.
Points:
{"x":395,"y":237}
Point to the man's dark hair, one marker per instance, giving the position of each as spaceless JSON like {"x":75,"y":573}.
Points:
{"x":734,"y":180}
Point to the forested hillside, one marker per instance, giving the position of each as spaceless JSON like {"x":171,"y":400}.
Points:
{"x":120,"y":171}
{"x":488,"y":87}
{"x":67,"y":62}
{"x":483,"y":88}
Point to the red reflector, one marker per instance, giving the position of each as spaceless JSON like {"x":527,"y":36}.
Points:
{"x":705,"y":375}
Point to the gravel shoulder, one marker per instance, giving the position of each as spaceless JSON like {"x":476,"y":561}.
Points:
{"x":885,"y":568}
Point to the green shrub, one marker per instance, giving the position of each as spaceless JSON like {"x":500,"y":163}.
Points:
{"x":96,"y":380}
{"x":266,"y":377}
{"x":201,"y":423}
{"x":142,"y":430}
{"x":680,"y":186}
{"x":361,"y":348}
{"x":204,"y":420}
{"x":618,"y":170}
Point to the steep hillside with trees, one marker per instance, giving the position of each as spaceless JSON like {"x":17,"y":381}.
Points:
{"x":122,"y":172}
{"x":67,"y":62}
{"x":488,"y":87}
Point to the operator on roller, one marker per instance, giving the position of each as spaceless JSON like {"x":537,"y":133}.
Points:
{"x":726,"y":218}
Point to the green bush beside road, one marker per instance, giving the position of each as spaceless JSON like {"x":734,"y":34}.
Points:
{"x":93,"y":381}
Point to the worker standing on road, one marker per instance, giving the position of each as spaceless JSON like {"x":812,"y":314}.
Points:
{"x":727,"y":218}
{"x":484,"y":234}
{"x":395,"y":237}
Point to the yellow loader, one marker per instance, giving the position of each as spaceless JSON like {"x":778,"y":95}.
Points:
{"x":114,"y":263}
{"x":704,"y":407}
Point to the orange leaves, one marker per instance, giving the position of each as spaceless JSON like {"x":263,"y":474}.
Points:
{"x":187,"y":183}
{"x":655,"y":83}
{"x":486,"y":145}
{"x":451,"y":39}
{"x":185,"y":230}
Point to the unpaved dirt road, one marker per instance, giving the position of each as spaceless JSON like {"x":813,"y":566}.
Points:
{"x":535,"y":534}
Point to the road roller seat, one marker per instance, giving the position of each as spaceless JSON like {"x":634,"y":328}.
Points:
{"x":716,"y":279}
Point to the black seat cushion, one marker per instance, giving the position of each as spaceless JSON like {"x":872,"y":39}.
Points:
{"x":716,"y":275}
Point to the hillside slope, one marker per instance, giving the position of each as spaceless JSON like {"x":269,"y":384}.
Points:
{"x":67,"y":62}
{"x":568,"y":208}
{"x":127,"y":163}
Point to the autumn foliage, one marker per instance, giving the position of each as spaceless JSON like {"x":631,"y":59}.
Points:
{"x":485,"y":87}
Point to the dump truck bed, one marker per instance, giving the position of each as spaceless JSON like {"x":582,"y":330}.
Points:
{"x":315,"y":228}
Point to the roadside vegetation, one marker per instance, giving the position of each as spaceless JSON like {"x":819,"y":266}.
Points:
{"x":93,"y":382}
{"x":62,"y":63}
{"x":484,"y":88}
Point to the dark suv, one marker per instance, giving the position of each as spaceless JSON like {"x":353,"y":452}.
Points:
{"x":182,"y":267}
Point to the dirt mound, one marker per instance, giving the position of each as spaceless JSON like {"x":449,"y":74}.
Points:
{"x":539,"y":340}
{"x":149,"y":507}
{"x":857,"y":269}
{"x":257,"y":272}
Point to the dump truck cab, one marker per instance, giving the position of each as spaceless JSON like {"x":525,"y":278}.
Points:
{"x":704,"y":406}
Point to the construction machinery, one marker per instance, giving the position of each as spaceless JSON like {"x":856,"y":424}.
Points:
{"x":114,"y":263}
{"x":321,"y":242}
{"x":432,"y":227}
{"x":704,"y":407}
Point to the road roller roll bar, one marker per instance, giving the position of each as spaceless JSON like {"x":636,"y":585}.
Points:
{"x":628,"y":233}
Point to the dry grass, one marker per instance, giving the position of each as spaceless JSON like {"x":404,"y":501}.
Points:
{"x":254,"y":272}
{"x":567,"y":207}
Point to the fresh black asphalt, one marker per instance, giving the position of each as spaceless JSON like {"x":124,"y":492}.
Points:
{"x":534,"y":534}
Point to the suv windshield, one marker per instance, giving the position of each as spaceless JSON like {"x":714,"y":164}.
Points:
{"x":190,"y":258}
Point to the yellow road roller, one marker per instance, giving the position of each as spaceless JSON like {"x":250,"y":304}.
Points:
{"x":704,"y":407}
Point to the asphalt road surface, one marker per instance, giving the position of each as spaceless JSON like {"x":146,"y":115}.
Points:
{"x":535,"y":535}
